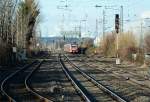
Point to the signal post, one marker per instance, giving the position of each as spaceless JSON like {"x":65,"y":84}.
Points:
{"x":117,"y":28}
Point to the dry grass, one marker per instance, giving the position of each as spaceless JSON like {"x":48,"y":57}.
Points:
{"x":91,"y":51}
{"x":147,"y":43}
{"x":108,"y":45}
{"x":147,"y":46}
{"x":127,"y":40}
{"x":127,"y":45}
{"x":87,"y":43}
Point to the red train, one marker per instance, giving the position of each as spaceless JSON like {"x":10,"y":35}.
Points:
{"x":71,"y":48}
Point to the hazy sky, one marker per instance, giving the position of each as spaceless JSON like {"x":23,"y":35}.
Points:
{"x":52,"y":16}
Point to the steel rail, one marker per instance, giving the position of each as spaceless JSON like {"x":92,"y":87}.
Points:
{"x":27,"y":84}
{"x":74,"y":82}
{"x":100,"y":85}
{"x":9,"y":77}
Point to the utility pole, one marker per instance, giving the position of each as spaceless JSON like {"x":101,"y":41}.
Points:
{"x":142,"y":40}
{"x":63,"y":7}
{"x":141,"y":36}
{"x":103,"y":24}
{"x":62,"y":26}
{"x":85,"y":21}
{"x":121,"y":20}
{"x":96,"y":31}
{"x":80,"y":30}
{"x":98,"y":6}
{"x":96,"y":27}
{"x":142,"y":43}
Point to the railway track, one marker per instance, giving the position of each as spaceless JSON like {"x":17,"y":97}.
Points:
{"x":58,"y":79}
{"x":15,"y":86}
{"x":90,"y":89}
{"x":51,"y":82}
{"x":3,"y":75}
{"x":126,"y":88}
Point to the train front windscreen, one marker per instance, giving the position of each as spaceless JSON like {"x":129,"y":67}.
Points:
{"x":74,"y":48}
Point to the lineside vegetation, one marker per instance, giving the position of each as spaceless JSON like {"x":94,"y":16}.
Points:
{"x":18,"y":22}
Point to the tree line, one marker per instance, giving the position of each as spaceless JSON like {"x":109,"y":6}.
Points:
{"x":18,"y":22}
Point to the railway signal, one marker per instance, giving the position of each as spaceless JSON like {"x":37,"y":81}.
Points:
{"x":117,"y":23}
{"x":117,"y":27}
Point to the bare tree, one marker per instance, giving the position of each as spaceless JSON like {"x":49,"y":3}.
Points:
{"x":18,"y":20}
{"x":7,"y":12}
{"x":27,"y":17}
